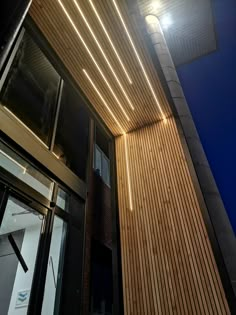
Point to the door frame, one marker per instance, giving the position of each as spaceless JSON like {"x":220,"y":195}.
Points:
{"x":12,"y":186}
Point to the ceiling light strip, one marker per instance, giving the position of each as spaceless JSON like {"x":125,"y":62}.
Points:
{"x":110,"y":41}
{"x":92,"y":57}
{"x":102,"y":99}
{"x":128,"y":174}
{"x":103,"y":53}
{"x":138,"y":58}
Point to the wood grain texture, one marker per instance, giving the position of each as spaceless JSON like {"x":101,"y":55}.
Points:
{"x":52,"y":21}
{"x":168,"y":265}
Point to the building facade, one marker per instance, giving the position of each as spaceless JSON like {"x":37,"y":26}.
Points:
{"x":107,"y":202}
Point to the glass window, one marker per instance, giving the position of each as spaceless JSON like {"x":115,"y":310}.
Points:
{"x":106,"y":170}
{"x":53,"y":284}
{"x":30,"y":89}
{"x":62,"y":199}
{"x":102,"y":165}
{"x":71,"y":142}
{"x":17,"y":166}
{"x":19,"y":238}
{"x":98,"y":160}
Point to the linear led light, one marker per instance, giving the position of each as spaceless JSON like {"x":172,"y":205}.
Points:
{"x":102,"y":99}
{"x":139,"y":60}
{"x":57,"y":156}
{"x":8,"y":110}
{"x":110,"y":41}
{"x":103,"y":53}
{"x":128,"y":174}
{"x":92,"y":57}
{"x":14,"y":161}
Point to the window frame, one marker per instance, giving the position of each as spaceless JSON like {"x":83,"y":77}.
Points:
{"x":15,"y":129}
{"x":55,"y":112}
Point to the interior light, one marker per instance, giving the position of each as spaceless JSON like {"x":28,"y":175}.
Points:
{"x":57,"y":156}
{"x":110,"y":41}
{"x":104,"y":55}
{"x":151,"y":19}
{"x":138,"y":58}
{"x":103,"y":100}
{"x":155,"y":5}
{"x":14,"y":161}
{"x":92,"y":57}
{"x":128,"y":174}
{"x":166,"y":21}
{"x":8,"y":110}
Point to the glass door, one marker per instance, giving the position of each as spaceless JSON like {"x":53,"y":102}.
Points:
{"x":21,"y":226}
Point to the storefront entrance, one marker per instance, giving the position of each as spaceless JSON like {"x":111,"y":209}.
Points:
{"x":40,"y":224}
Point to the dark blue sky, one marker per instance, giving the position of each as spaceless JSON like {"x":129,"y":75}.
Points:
{"x":209,"y":85}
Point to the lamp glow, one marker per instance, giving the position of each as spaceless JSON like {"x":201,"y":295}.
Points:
{"x":155,"y":5}
{"x":138,"y":58}
{"x":110,"y":41}
{"x":57,"y":156}
{"x":93,"y":59}
{"x":166,"y":21}
{"x":103,"y":100}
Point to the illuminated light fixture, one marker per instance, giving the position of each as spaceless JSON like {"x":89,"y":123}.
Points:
{"x":110,"y":41}
{"x":166,"y":21}
{"x":57,"y":156}
{"x":155,"y":5}
{"x":102,"y":99}
{"x":92,"y":57}
{"x":138,"y":58}
{"x":14,"y":161}
{"x":128,"y":174}
{"x":8,"y":110}
{"x":104,"y":55}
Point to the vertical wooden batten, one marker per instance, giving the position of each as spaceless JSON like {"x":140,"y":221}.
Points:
{"x":167,"y":262}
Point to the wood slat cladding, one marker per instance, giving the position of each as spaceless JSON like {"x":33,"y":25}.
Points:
{"x":168,"y":265}
{"x":52,"y":21}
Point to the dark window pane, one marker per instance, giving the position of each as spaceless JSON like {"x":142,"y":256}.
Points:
{"x":98,"y":160}
{"x":71,"y":143}
{"x":30,"y":89}
{"x":102,"y":141}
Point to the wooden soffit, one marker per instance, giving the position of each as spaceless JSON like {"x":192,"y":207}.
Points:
{"x":188,"y":26}
{"x":91,"y":56}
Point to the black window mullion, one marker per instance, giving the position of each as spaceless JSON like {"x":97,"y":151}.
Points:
{"x":40,"y":272}
{"x":4,"y":193}
{"x":58,"y":105}
{"x":11,"y":58}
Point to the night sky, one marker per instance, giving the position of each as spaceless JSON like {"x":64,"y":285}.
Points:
{"x":209,"y":85}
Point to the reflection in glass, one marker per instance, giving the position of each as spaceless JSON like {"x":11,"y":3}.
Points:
{"x":102,"y":165}
{"x":106,"y":170}
{"x":30,"y":89}
{"x":17,"y":166}
{"x":24,"y":225}
{"x":98,"y":160}
{"x":52,"y":290}
{"x":71,"y":142}
{"x":62,"y":199}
